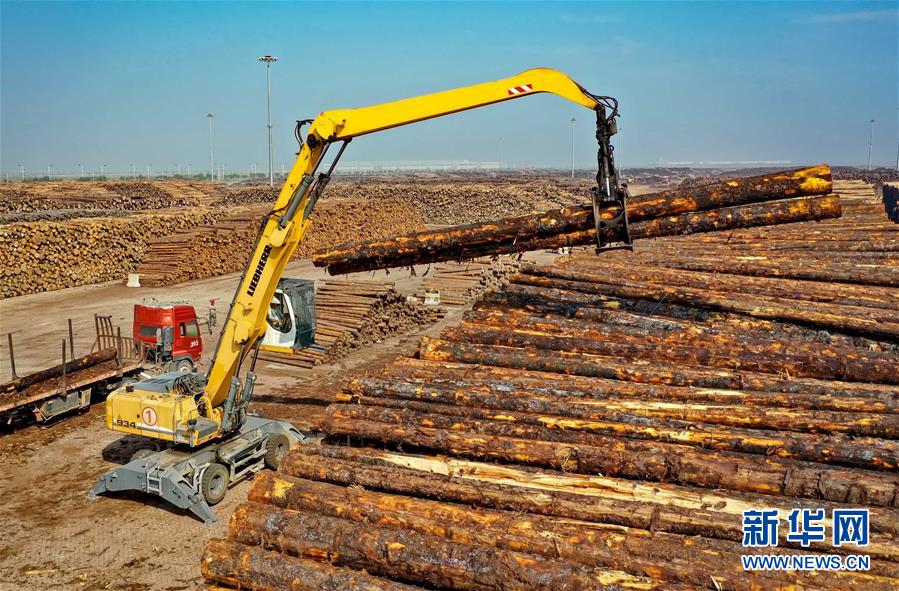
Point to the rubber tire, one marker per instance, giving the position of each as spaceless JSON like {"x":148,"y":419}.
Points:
{"x":142,"y":454}
{"x":214,"y":484}
{"x":183,"y":366}
{"x":275,"y":448}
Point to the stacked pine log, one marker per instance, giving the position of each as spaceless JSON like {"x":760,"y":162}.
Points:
{"x":462,"y":283}
{"x":350,"y":315}
{"x":47,"y":255}
{"x":603,"y":423}
{"x":225,"y":246}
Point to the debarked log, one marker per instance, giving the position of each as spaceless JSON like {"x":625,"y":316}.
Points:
{"x":660,"y":555}
{"x":570,"y":227}
{"x":807,"y":313}
{"x":842,"y":294}
{"x":251,"y":567}
{"x":749,"y":382}
{"x":421,"y":558}
{"x":705,"y":347}
{"x":653,"y":506}
{"x":650,"y":372}
{"x":856,"y":423}
{"x":523,"y":405}
{"x":574,"y":274}
{"x":588,"y":453}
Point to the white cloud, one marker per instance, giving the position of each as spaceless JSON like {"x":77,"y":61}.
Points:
{"x":858,"y":16}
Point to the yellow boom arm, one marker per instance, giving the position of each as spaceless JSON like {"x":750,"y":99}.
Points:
{"x":288,"y":221}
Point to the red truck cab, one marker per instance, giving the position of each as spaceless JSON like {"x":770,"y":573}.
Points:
{"x":170,"y":332}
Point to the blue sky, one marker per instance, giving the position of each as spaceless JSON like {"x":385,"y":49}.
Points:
{"x":131,"y":82}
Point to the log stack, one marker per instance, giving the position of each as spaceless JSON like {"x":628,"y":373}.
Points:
{"x":225,"y":246}
{"x":438,"y":202}
{"x":461,"y":283}
{"x":603,"y":423}
{"x":464,"y":201}
{"x":350,"y":315}
{"x":777,"y":198}
{"x":130,"y":195}
{"x":47,"y":255}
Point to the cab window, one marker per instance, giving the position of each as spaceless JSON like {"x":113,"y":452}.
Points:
{"x":189,"y":329}
{"x":148,"y":331}
{"x":278,"y":315}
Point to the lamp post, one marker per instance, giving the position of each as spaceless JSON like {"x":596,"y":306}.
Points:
{"x":268,"y":60}
{"x":210,"y":116}
{"x":49,"y":166}
{"x":81,"y":166}
{"x":188,"y":170}
{"x":133,"y":172}
{"x":103,"y":171}
{"x":870,"y":142}
{"x":572,"y":146}
{"x":148,"y":172}
{"x":22,"y":170}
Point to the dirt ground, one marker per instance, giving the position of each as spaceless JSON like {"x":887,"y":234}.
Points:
{"x":54,"y":537}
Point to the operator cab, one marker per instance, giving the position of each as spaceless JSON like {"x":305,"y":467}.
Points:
{"x":291,"y":316}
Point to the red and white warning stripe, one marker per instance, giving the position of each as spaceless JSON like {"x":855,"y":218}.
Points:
{"x":520,"y":89}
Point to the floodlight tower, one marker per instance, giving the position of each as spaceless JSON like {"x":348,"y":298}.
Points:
{"x":268,"y":60}
{"x":870,"y":142}
{"x":210,"y":116}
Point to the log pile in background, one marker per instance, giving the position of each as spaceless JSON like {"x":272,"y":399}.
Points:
{"x":254,"y":195}
{"x":602,"y":423}
{"x":461,"y":283}
{"x":61,"y":215}
{"x":445,"y":203}
{"x":130,"y":195}
{"x":350,"y":315}
{"x":776,"y":198}
{"x":225,"y":246}
{"x":43,"y":256}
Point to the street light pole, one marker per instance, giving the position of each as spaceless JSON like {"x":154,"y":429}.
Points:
{"x":22,"y":169}
{"x":572,"y":146}
{"x":49,"y":166}
{"x":870,"y":143}
{"x":82,"y":170}
{"x":268,"y":60}
{"x":210,"y":116}
{"x":133,"y":172}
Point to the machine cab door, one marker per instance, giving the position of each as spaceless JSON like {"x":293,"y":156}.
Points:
{"x":290,"y":323}
{"x":281,"y":329}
